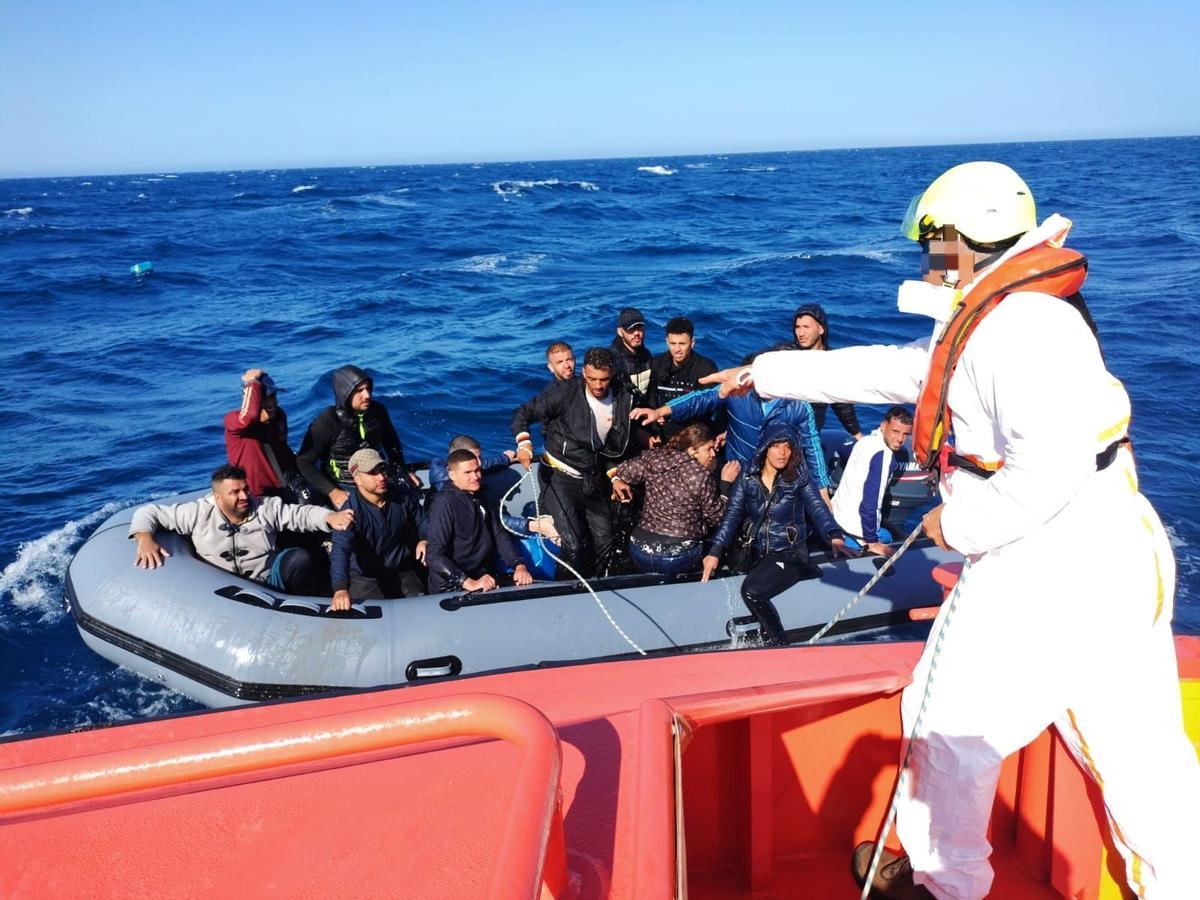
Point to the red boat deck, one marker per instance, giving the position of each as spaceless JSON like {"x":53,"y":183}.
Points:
{"x":747,"y":774}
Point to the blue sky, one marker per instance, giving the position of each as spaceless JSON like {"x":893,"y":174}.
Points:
{"x":117,"y":86}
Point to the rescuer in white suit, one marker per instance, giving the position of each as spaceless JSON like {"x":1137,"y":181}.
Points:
{"x":1063,"y":611}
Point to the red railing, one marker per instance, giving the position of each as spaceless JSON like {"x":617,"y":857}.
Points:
{"x":532,"y":857}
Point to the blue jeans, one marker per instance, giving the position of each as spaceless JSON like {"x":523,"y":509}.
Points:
{"x":662,"y":557}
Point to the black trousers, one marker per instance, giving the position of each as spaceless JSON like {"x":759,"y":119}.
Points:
{"x":584,"y":522}
{"x":402,"y":583}
{"x":767,"y":579}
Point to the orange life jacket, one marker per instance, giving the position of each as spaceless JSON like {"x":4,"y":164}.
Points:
{"x":1048,"y":270}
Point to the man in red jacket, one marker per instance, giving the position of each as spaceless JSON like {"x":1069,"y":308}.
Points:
{"x":256,"y":438}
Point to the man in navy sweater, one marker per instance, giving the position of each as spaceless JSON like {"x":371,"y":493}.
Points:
{"x":465,"y":535}
{"x":378,"y":556}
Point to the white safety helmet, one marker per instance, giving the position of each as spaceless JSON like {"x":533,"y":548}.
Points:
{"x":986,"y":202}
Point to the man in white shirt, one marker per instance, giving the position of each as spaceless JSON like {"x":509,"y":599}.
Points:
{"x":875,"y":460}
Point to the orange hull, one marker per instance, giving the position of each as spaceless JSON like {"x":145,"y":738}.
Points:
{"x":713,"y":775}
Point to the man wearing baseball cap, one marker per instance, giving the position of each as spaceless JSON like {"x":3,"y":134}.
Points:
{"x":378,"y":556}
{"x":631,"y":356}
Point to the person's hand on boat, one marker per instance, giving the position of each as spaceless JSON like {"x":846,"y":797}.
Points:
{"x":150,"y":554}
{"x":841,"y":548}
{"x":337,"y":497}
{"x":340,"y":520}
{"x":341,"y":601}
{"x":621,"y":490}
{"x":709,"y":566}
{"x":521,"y":576}
{"x":932,"y":523}
{"x":482,"y":583}
{"x":879,"y":548}
{"x":525,"y":456}
{"x":419,"y":553}
{"x":731,"y":470}
{"x":732,"y":382}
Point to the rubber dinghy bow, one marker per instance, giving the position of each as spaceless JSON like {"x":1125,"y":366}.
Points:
{"x":542,"y":543}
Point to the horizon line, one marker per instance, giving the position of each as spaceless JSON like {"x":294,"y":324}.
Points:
{"x":576,"y":159}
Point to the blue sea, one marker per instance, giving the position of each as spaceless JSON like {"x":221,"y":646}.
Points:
{"x":448,"y":281}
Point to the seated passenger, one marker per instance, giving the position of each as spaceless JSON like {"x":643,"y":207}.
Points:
{"x":354,"y":422}
{"x":256,"y":440}
{"x":377,"y":557}
{"x":465,"y":535}
{"x":772,"y":506}
{"x":439,"y":477}
{"x":874,"y":462}
{"x":682,"y":502}
{"x":749,"y":417}
{"x":234,"y":531}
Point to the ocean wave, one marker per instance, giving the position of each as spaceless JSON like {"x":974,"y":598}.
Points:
{"x":142,"y":197}
{"x":761,"y":169}
{"x":501,"y":264}
{"x":656,"y":170}
{"x":696,"y":165}
{"x":508,"y":188}
{"x":873,"y":254}
{"x":22,"y":211}
{"x":301,"y":188}
{"x":34,"y":580}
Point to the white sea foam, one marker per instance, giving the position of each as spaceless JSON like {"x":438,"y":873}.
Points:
{"x":761,"y":169}
{"x":142,"y":197}
{"x":22,"y":211}
{"x":239,"y":194}
{"x":501,"y":264}
{"x":657,"y":170}
{"x":170,"y":176}
{"x":388,"y":198}
{"x":154,"y":180}
{"x":85,"y":184}
{"x":300,"y":188}
{"x":508,"y":189}
{"x":33,"y":581}
{"x":696,"y":165}
{"x":870,"y":253}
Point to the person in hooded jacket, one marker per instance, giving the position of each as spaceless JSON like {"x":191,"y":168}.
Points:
{"x":774,"y":505}
{"x":256,"y":439}
{"x":354,"y":422}
{"x":682,"y":501}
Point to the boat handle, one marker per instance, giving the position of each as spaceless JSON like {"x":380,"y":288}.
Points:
{"x":434,"y":671}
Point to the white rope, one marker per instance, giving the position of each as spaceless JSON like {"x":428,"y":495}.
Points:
{"x":883,"y":570}
{"x":542,"y":543}
{"x":902,"y":776}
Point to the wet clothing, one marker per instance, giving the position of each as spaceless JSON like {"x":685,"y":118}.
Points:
{"x":246,"y":548}
{"x":259,"y":448}
{"x":380,"y":545}
{"x":465,"y":540}
{"x":682,"y":499}
{"x":661,"y":555}
{"x":339,"y":431}
{"x":779,"y":520}
{"x":749,"y":414}
{"x":633,"y":371}
{"x":1092,"y":628}
{"x":858,"y":503}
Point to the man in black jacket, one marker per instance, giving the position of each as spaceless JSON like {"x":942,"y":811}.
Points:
{"x":465,"y":535}
{"x":631,"y":356}
{"x":679,"y":370}
{"x":810,"y":331}
{"x":586,"y":429}
{"x":377,"y":556}
{"x":354,"y":422}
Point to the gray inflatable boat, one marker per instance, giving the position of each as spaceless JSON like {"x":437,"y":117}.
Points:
{"x":224,"y":640}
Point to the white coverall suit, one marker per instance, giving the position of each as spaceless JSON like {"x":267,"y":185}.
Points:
{"x":1063,"y":609}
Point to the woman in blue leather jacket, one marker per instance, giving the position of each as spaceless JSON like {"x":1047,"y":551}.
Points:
{"x":774,"y":504}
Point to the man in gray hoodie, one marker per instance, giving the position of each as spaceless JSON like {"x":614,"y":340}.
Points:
{"x":233,"y":530}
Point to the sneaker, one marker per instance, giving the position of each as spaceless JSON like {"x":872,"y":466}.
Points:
{"x":893,"y":878}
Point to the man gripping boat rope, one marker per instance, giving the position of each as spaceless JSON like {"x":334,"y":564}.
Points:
{"x":1027,"y":431}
